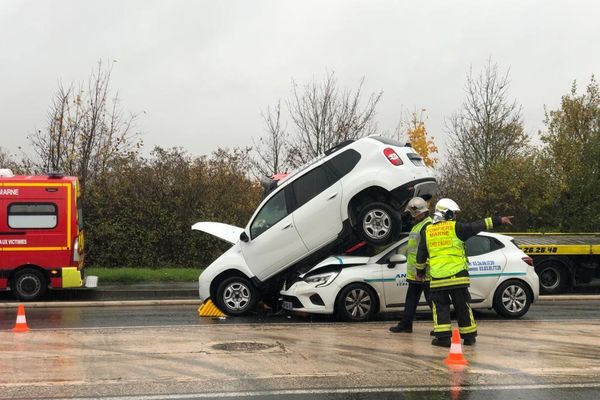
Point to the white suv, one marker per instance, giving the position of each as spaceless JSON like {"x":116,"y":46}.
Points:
{"x":350,"y":194}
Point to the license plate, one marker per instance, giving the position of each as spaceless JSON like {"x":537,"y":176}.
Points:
{"x":287,"y":305}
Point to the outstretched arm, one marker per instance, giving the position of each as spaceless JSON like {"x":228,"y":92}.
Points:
{"x":466,"y":230}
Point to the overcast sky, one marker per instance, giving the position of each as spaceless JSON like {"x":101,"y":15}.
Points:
{"x":202,"y":71}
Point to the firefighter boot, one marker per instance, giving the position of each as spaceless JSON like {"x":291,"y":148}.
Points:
{"x":441,"y":342}
{"x":401,"y":328}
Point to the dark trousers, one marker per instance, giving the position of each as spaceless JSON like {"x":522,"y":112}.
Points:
{"x":413,"y":295}
{"x":460,"y":298}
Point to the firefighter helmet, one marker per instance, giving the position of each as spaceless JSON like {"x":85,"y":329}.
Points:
{"x":445,"y":210}
{"x":417,"y":206}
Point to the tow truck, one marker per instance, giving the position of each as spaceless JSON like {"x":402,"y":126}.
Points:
{"x":562,"y":260}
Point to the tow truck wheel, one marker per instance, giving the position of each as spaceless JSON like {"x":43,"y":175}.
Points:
{"x":554,"y":277}
{"x":512,"y":299}
{"x":29,"y":284}
{"x":378,"y":223}
{"x":236,"y":296}
{"x":356,"y":303}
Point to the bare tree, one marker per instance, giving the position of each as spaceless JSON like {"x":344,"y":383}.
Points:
{"x":324,"y":116}
{"x":86,"y":130}
{"x":270,"y":150}
{"x":488,"y":129}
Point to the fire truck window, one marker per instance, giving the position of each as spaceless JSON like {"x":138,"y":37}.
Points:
{"x":32,"y":215}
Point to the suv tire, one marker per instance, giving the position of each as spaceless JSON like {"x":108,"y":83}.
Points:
{"x":378,"y":223}
{"x":236,"y":296}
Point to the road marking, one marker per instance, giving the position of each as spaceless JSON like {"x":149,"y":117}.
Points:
{"x":226,"y":395}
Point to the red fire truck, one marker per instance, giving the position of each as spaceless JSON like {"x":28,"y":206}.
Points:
{"x":41,"y":235}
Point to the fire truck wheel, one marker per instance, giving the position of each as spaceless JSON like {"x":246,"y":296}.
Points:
{"x":29,"y":284}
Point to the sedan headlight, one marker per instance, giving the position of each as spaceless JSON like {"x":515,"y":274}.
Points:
{"x":321,"y":280}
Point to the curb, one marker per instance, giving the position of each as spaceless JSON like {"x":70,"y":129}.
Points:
{"x":119,"y":303}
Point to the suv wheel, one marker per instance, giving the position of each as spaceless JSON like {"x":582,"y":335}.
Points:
{"x":378,"y":223}
{"x":29,"y":284}
{"x":236,"y":296}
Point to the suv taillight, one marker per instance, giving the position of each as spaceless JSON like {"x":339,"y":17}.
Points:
{"x":392,"y":156}
{"x":528,"y":260}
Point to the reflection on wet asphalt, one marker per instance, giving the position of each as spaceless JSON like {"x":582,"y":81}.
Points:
{"x":185,"y":315}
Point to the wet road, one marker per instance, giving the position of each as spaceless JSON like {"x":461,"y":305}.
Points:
{"x":168,"y":352}
{"x":60,"y":317}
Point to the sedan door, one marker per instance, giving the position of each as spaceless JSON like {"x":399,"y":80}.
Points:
{"x":274,"y":241}
{"x":486,"y":264}
{"x":395,"y":284}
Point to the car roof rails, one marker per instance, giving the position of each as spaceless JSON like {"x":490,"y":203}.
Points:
{"x":338,"y":146}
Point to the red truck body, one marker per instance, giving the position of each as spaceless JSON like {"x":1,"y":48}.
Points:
{"x":41,"y":236}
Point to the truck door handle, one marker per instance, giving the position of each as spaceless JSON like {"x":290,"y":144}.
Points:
{"x":287,"y":227}
{"x":332,"y":196}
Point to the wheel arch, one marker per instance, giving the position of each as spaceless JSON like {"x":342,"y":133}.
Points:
{"x":366,"y":195}
{"x":216,"y":281}
{"x":15,"y":271}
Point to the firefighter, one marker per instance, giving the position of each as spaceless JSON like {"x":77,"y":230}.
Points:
{"x":419,"y":211}
{"x":442,"y":244}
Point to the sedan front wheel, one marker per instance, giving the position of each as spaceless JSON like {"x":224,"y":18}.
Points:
{"x":356,"y":303}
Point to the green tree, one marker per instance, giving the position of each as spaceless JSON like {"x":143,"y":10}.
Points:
{"x":141,"y":212}
{"x":572,"y":152}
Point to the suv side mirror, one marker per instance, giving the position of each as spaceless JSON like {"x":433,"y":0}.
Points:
{"x":396,"y":259}
{"x":244,"y":237}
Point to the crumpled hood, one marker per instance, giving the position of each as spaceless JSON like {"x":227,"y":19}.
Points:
{"x":226,"y":232}
{"x":339,"y":260}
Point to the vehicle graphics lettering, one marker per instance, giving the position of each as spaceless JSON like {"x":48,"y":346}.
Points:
{"x":13,"y":241}
{"x":9,"y":192}
{"x":484,"y":266}
{"x":401,"y":280}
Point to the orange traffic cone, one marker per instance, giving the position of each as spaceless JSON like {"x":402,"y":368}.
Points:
{"x":455,"y":357}
{"x":21,"y":325}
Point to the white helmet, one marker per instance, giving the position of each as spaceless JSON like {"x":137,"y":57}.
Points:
{"x":445,"y":210}
{"x":417,"y":206}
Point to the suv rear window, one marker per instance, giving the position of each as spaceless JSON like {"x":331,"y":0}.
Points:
{"x":344,"y":162}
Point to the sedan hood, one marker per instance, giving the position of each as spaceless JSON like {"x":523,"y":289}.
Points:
{"x":339,"y":260}
{"x":226,"y":232}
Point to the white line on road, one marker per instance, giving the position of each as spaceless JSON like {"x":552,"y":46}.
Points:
{"x":308,"y":392}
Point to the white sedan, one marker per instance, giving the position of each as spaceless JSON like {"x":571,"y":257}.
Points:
{"x":357,"y":288}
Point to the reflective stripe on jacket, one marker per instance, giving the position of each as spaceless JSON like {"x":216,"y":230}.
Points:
{"x":411,"y":251}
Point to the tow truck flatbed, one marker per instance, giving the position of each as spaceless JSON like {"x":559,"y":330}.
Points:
{"x":562,"y":260}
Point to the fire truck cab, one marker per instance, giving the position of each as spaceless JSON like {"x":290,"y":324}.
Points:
{"x":41,"y":234}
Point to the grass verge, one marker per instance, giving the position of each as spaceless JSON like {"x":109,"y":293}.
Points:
{"x":144,"y":275}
